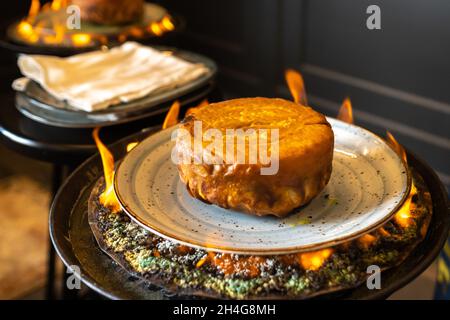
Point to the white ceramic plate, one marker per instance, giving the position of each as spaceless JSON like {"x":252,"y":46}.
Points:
{"x":368,"y":184}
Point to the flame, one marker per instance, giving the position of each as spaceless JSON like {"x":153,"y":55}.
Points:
{"x":404,"y":215}
{"x":131,"y":146}
{"x":122,"y":37}
{"x":210,"y":257}
{"x":34,"y":10}
{"x":396,"y":146}
{"x":58,"y":34}
{"x":228,"y":264}
{"x":194,"y":109}
{"x":309,"y":261}
{"x":383,"y":232}
{"x":346,"y":111}
{"x":314,"y":260}
{"x":156,"y":29}
{"x":172,"y":116}
{"x":25,"y":29}
{"x":167,"y":23}
{"x":58,"y":4}
{"x":81,"y":39}
{"x":136,"y":32}
{"x":366,"y":240}
{"x":296,"y":86}
{"x":108,"y":197}
{"x":160,"y":27}
{"x":156,"y":253}
{"x":31,"y":32}
{"x":202,"y":261}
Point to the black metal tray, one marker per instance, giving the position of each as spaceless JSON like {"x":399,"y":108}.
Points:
{"x":75,"y":244}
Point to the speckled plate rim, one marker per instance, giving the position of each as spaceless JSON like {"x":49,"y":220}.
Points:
{"x":251,"y":251}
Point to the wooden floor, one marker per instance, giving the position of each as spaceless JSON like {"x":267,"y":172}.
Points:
{"x":24,"y":201}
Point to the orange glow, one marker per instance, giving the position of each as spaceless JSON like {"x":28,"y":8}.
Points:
{"x":404,"y":215}
{"x":25,"y":29}
{"x":201,"y":261}
{"x":131,"y":146}
{"x":296,"y":86}
{"x":156,"y":253}
{"x":108,"y":197}
{"x":167,"y":23}
{"x":159,"y":28}
{"x":34,"y":10}
{"x":229,"y":265}
{"x":58,"y":4}
{"x":194,"y":109}
{"x":58,"y":33}
{"x":81,"y":39}
{"x":136,"y":32}
{"x":396,"y":146}
{"x":383,"y":232}
{"x":172,"y":116}
{"x":156,"y":29}
{"x":314,"y":260}
{"x":122,"y":37}
{"x":53,"y":30}
{"x":346,"y":111}
{"x":366,"y":240}
{"x":209,"y":257}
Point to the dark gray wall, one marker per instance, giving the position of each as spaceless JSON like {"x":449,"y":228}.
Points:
{"x":398,"y":77}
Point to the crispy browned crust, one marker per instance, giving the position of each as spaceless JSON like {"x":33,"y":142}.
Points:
{"x":305,"y":157}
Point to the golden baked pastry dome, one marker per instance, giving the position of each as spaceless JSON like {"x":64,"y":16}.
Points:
{"x":305,"y":152}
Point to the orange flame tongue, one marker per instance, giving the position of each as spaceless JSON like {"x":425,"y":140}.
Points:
{"x":131,"y":146}
{"x":34,"y":10}
{"x":108,"y":197}
{"x":396,"y":146}
{"x":58,"y":4}
{"x":314,"y":260}
{"x":297,"y":86}
{"x":404,"y":215}
{"x":366,"y":240}
{"x":172,"y":116}
{"x":346,"y":111}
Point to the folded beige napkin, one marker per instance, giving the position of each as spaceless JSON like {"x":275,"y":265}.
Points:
{"x":95,"y":80}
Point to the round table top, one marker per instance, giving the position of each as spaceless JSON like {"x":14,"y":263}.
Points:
{"x":68,"y":145}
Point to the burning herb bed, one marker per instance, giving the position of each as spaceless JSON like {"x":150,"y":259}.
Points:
{"x":402,"y":248}
{"x":188,"y":271}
